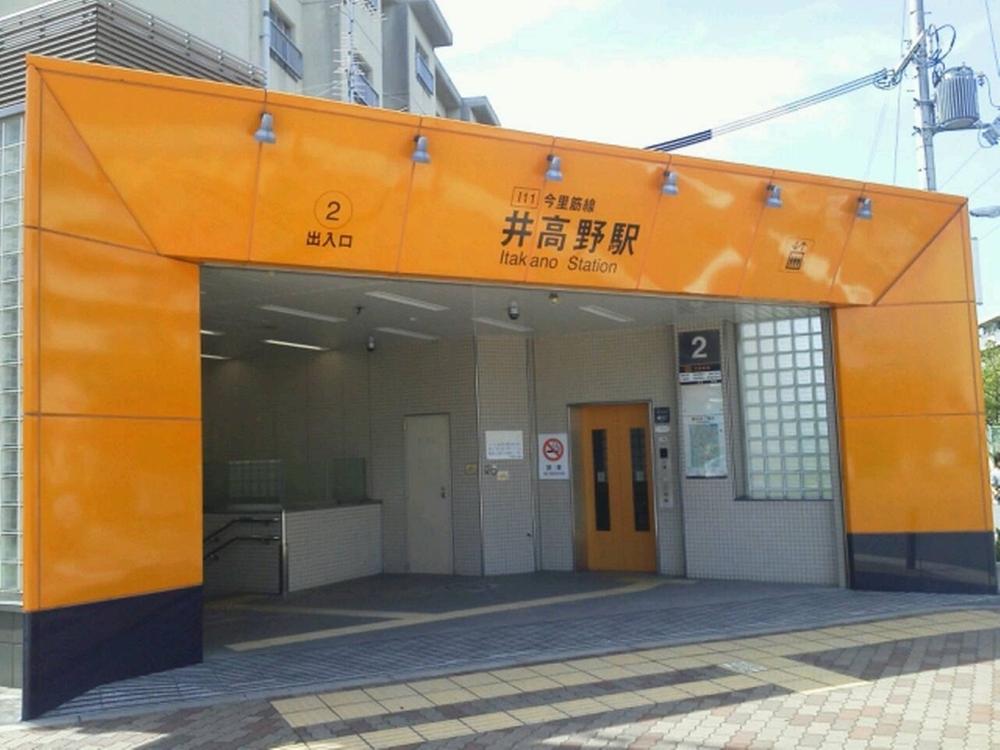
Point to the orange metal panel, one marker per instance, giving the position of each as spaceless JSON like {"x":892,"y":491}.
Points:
{"x":460,"y":203}
{"x":29,"y":321}
{"x":78,"y":198}
{"x":120,"y":507}
{"x":797,"y":248}
{"x":914,"y":474}
{"x":591,"y":230}
{"x":977,"y":362}
{"x":938,"y":274}
{"x":878,"y":251}
{"x":29,"y":513}
{"x":905,"y":360}
{"x":119,"y":331}
{"x":332,"y":191}
{"x":702,"y":236}
{"x":970,"y":281}
{"x":184,"y":161}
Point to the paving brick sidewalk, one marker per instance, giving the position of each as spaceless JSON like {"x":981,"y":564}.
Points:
{"x":666,"y":615}
{"x":928,"y":681}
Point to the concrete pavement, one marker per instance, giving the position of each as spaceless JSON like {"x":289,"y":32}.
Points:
{"x":924,"y":681}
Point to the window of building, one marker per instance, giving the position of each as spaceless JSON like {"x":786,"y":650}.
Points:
{"x":283,"y":48}
{"x":424,"y":71}
{"x":782,"y":367}
{"x":362,"y":90}
{"x":11,"y":327}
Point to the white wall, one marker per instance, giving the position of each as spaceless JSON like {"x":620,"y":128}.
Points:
{"x":629,"y":365}
{"x":293,"y":404}
{"x":337,"y":544}
{"x":305,"y":408}
{"x":785,"y":541}
{"x":436,"y":377}
{"x":505,"y":403}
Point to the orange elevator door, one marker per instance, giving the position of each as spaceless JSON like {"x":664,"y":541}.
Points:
{"x":617,"y":488}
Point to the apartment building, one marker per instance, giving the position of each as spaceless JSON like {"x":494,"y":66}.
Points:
{"x":378,"y":53}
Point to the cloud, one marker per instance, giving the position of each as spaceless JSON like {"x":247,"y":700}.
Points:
{"x":479,"y":26}
{"x":618,"y":100}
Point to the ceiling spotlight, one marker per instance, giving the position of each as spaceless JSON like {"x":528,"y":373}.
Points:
{"x":370,"y":344}
{"x":773,"y":196}
{"x":553,"y":298}
{"x":554,"y":172}
{"x":420,"y":155}
{"x":265,"y":133}
{"x":864,"y":208}
{"x":669,"y":183}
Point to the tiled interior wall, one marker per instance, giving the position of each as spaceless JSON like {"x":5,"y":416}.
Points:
{"x":304,"y":408}
{"x":630,"y":365}
{"x":508,"y":498}
{"x":784,"y":541}
{"x":437,"y":377}
{"x":338,"y":405}
{"x":308,"y":408}
{"x":243,"y":567}
{"x":336,"y":544}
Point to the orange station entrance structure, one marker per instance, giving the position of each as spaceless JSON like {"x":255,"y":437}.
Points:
{"x":133,"y":180}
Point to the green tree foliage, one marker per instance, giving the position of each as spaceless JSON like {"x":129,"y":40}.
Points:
{"x":991,"y":384}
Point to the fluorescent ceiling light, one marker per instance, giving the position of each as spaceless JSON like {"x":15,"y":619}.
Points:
{"x":502,"y":324}
{"x":401,"y":300}
{"x":295,"y":345}
{"x":206,"y":332}
{"x":408,"y":334}
{"x":214,"y":356}
{"x":603,"y":312}
{"x":302,"y":313}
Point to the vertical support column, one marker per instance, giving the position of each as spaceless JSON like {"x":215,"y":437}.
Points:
{"x":913,"y":430}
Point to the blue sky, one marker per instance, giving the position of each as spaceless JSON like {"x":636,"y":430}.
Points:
{"x":635,"y":72}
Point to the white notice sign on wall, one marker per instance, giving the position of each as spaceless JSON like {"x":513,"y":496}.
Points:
{"x":504,"y":445}
{"x":553,"y":455}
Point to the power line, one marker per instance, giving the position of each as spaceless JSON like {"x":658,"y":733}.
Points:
{"x":993,"y":40}
{"x":882,"y":78}
{"x":983,"y":183}
{"x":899,"y":97}
{"x":962,"y":166}
{"x":878,"y":134}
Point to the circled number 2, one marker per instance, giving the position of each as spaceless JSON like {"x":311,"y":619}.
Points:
{"x":333,"y":209}
{"x":699,"y":344}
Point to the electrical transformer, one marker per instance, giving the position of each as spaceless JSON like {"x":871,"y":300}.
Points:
{"x":956,"y":99}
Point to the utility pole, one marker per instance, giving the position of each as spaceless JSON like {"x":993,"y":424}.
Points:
{"x":265,"y":40}
{"x":923,"y":107}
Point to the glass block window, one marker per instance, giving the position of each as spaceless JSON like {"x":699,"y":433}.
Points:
{"x":787,"y":430}
{"x":11,"y":325}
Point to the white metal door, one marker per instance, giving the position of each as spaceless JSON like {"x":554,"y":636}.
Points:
{"x":428,"y":493}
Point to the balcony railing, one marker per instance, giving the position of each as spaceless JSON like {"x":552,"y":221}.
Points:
{"x":424,"y":73}
{"x":283,"y":50}
{"x":362,"y":90}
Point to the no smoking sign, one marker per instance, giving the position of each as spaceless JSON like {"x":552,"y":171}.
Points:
{"x":553,"y":449}
{"x":553,"y":463}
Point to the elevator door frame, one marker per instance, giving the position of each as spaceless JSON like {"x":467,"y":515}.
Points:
{"x":578,"y":494}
